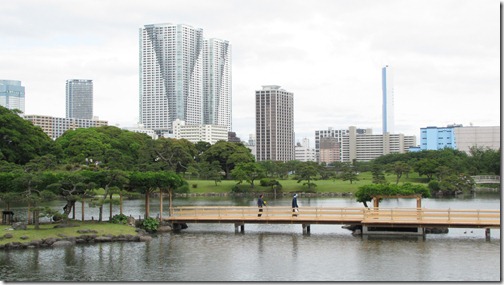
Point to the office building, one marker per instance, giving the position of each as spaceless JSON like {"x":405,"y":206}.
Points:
{"x":195,"y":133}
{"x":183,"y":76}
{"x":79,"y":99}
{"x":55,"y":127}
{"x":12,"y":95}
{"x":358,"y":144}
{"x":388,"y":124}
{"x":274,"y":124}
{"x":459,"y":137}
{"x":304,"y":152}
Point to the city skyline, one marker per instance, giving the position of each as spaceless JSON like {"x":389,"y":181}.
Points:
{"x":445,"y":56}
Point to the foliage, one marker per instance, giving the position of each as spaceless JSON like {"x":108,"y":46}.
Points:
{"x":307,"y":171}
{"x":267,"y":182}
{"x":365,"y":193}
{"x":20,"y":140}
{"x":248,"y":171}
{"x":119,"y":219}
{"x":150,"y":224}
{"x":377,"y":173}
{"x":228,"y":154}
{"x":349,"y":173}
{"x":398,"y":168}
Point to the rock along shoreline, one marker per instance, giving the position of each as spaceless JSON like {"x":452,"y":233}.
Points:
{"x":86,"y":237}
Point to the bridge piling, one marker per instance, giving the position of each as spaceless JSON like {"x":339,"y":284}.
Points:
{"x":239,"y":227}
{"x":487,"y":233}
{"x":306,"y":228}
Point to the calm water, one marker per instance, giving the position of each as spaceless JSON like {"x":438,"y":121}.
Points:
{"x":214,"y":252}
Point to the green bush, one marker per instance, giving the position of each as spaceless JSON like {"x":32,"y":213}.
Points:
{"x":119,"y":219}
{"x":434,"y":185}
{"x":150,"y":224}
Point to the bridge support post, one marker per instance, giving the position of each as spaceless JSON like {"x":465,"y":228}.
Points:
{"x":487,"y":233}
{"x":239,"y":227}
{"x":306,"y":228}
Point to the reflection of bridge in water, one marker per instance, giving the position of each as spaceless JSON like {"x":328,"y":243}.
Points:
{"x":486,"y":179}
{"x":373,"y":220}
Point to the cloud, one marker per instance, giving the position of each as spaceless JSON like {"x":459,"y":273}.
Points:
{"x":445,"y":56}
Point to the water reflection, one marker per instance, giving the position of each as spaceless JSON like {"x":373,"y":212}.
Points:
{"x":213,"y":252}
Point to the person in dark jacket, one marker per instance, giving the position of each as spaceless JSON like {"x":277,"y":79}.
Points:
{"x":295,"y":206}
{"x":260,"y":204}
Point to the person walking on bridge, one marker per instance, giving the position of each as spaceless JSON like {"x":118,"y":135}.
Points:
{"x":260,"y":204}
{"x":295,"y":207}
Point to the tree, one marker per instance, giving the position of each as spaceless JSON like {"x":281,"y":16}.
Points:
{"x":366,"y":192}
{"x":426,"y":166}
{"x":349,"y":173}
{"x":71,"y":186}
{"x":145,"y":183}
{"x":148,"y":182}
{"x":211,"y":171}
{"x":108,"y":146}
{"x":398,"y":168}
{"x":228,"y":154}
{"x":174,"y":154}
{"x":248,"y":171}
{"x":377,"y":173}
{"x":20,"y":140}
{"x":307,"y":171}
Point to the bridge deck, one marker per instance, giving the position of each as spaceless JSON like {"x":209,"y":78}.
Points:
{"x":400,"y":217}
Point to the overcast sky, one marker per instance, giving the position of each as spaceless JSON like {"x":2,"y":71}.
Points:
{"x":445,"y":56}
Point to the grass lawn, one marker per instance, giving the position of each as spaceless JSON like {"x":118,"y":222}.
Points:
{"x":290,"y":185}
{"x":48,"y":231}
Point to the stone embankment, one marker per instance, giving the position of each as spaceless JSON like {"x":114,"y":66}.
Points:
{"x":86,"y":237}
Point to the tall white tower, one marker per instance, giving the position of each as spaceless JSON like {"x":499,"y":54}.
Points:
{"x":170,"y":76}
{"x":217,"y":83}
{"x":388,"y":124}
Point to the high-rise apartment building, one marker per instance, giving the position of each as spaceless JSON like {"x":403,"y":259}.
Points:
{"x":274,"y":124}
{"x":12,"y":95}
{"x":183,"y":76}
{"x":79,"y":99}
{"x":217,"y":83}
{"x":388,"y":124}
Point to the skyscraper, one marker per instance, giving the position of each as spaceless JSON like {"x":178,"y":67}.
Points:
{"x":217,"y":83}
{"x":183,"y":76}
{"x":388,"y":124}
{"x":12,"y":95}
{"x":79,"y":99}
{"x":274,"y":124}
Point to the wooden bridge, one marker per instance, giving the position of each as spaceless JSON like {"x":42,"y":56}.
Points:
{"x":486,"y":179}
{"x":373,"y":220}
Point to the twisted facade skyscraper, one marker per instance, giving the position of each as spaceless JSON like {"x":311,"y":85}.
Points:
{"x":183,"y":76}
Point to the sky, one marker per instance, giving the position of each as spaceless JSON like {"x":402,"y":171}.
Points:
{"x":445,"y":57}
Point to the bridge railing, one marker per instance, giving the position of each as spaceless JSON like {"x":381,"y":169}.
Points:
{"x":276,"y":212}
{"x":432,"y":216}
{"x":340,"y":214}
{"x":490,"y":179}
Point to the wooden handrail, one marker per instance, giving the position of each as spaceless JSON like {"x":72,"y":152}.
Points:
{"x":342,"y":214}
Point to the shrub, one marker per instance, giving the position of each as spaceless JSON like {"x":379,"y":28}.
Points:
{"x":150,"y":224}
{"x":119,"y":219}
